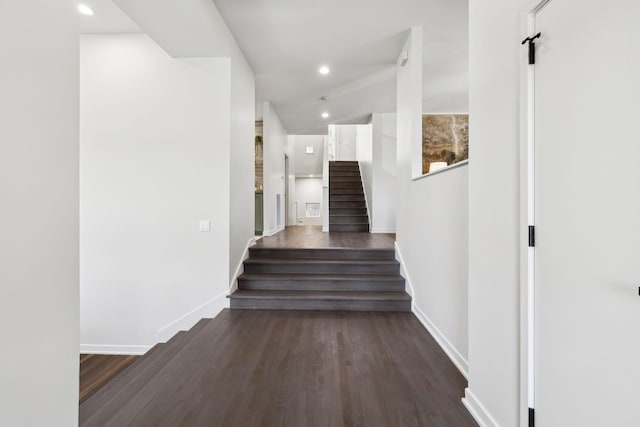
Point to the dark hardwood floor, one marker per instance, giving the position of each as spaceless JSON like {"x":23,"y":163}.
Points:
{"x":96,"y":370}
{"x":288,"y":368}
{"x":299,"y":237}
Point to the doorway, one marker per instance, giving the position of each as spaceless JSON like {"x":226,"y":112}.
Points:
{"x":286,"y":190}
{"x":581,"y":278}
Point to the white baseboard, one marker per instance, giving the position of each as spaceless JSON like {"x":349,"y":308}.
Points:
{"x":454,"y":355}
{"x":133,"y":350}
{"x":240,"y":268}
{"x":208,"y":310}
{"x":478,"y":410}
{"x":269,"y":233}
{"x":383,"y":230}
{"x":404,"y":273}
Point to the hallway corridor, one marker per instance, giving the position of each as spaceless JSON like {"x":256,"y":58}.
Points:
{"x":283,"y":368}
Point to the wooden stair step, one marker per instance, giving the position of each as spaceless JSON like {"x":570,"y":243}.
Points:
{"x":346,"y":198}
{"x":309,"y":300}
{"x":349,"y":228}
{"x":321,"y":266}
{"x":348,"y":219}
{"x":322,"y":282}
{"x":345,"y":204}
{"x":322,"y":253}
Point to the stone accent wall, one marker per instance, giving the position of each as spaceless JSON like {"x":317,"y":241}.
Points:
{"x":445,"y":138}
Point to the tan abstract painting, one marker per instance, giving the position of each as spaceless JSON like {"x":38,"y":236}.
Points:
{"x":445,"y":140}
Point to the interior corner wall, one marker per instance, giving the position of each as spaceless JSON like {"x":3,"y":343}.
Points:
{"x":432,"y":228}
{"x":385,"y":173}
{"x":275,"y":146}
{"x":39,"y":316}
{"x":494,"y":175}
{"x":154,"y":136}
{"x":364,"y":156}
{"x":242,"y":167}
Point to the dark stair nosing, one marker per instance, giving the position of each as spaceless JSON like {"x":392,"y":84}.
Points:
{"x":323,"y":253}
{"x":306,"y":300}
{"x":306,"y":295}
{"x":322,"y":282}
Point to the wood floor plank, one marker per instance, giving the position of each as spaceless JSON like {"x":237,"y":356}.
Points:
{"x":296,"y":368}
{"x":96,"y":370}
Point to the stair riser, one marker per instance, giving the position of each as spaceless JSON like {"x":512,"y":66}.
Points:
{"x":320,"y":285}
{"x":361,"y":220}
{"x":321,"y":253}
{"x":348,"y":185}
{"x":351,"y":191}
{"x":344,"y":169}
{"x":342,"y":305}
{"x":347,"y":205}
{"x":336,"y":174}
{"x":303,"y":268}
{"x":349,"y":211}
{"x":352,"y":180}
{"x":349,"y":228}
{"x":346,"y":198}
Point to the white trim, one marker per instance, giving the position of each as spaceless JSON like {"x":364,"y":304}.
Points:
{"x":325,"y":229}
{"x":208,"y":310}
{"x":527,"y":217}
{"x":461,"y":363}
{"x":448,"y":168}
{"x":478,"y":410}
{"x":405,"y":273}
{"x":233,"y":285}
{"x":125,"y":350}
{"x":458,"y":359}
{"x":273,"y":231}
{"x":366,"y":199}
{"x":383,"y":230}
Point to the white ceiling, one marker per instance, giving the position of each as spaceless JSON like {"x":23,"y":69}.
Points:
{"x":108,"y":19}
{"x":286,"y":41}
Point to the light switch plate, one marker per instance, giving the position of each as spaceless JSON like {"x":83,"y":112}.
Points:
{"x":205,"y":226}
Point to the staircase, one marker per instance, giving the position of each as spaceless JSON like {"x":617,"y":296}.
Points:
{"x":321,"y":279}
{"x":347,"y":206}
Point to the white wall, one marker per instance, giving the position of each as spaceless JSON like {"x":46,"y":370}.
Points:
{"x":275,"y":146}
{"x":494,"y":208}
{"x":385,"y":173}
{"x":308,"y":190}
{"x":39,"y":210}
{"x":346,"y":142}
{"x":431,"y":222}
{"x":364,"y":156}
{"x":195,"y":29}
{"x":154,"y":162}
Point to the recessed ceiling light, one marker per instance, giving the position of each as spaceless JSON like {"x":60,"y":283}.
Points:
{"x":324,"y":70}
{"x":325,"y":115}
{"x":85,"y":10}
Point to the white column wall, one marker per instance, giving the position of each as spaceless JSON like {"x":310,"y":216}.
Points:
{"x":39,"y":317}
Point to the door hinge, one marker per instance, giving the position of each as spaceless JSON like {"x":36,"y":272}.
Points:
{"x":532,"y":417}
{"x":532,"y":236}
{"x":532,"y":47}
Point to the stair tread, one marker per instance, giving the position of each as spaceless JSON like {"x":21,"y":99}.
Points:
{"x":322,"y":295}
{"x":319,"y":261}
{"x":323,"y":277}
